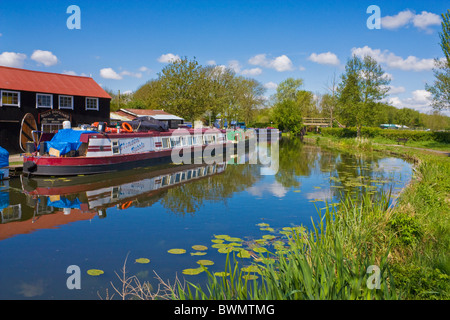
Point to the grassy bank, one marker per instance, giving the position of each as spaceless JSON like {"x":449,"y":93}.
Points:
{"x":355,"y":243}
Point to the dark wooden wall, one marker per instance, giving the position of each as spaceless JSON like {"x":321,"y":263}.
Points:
{"x":11,"y":117}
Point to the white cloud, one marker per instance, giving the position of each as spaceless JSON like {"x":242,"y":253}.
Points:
{"x":325,"y":58}
{"x":109,"y":73}
{"x":419,"y":100}
{"x":426,"y":19}
{"x":270,"y":85}
{"x":280,"y":64}
{"x":47,"y":58}
{"x":393,"y":61}
{"x":131,"y":74}
{"x":168,"y":58}
{"x":12,"y":59}
{"x":235,"y":66}
{"x":211,"y":62}
{"x":399,"y":20}
{"x":69,"y":72}
{"x":396,"y":90}
{"x":144,"y":69}
{"x":407,"y":17}
{"x":251,"y":72}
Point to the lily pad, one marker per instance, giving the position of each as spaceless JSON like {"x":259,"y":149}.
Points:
{"x":251,"y":268}
{"x":142,"y":260}
{"x":219,"y":245}
{"x":222,"y":236}
{"x":217,"y":240}
{"x":221,"y":274}
{"x":193,"y":271}
{"x":199,"y":247}
{"x":243,"y":254}
{"x":250,"y":277}
{"x":268,"y":237}
{"x":95,"y":272}
{"x":259,"y":249}
{"x":205,"y":262}
{"x":198,"y":253}
{"x":176,"y":251}
{"x":234,"y":239}
{"x":225,"y":250}
{"x":262,"y":224}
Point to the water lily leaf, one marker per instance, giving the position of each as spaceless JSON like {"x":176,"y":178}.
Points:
{"x":205,"y":262}
{"x":193,"y":271}
{"x":268,"y":237}
{"x":219,"y":245}
{"x":234,"y":239}
{"x":235,"y":244}
{"x":217,"y":240}
{"x":259,"y":249}
{"x":225,"y":250}
{"x":267,"y":229}
{"x":95,"y":272}
{"x":176,"y":251}
{"x":198,"y":253}
{"x":222,"y":236}
{"x":221,"y":274}
{"x":199,"y":247}
{"x":262,"y":224}
{"x":251,"y":268}
{"x":142,"y":260}
{"x":243,"y":254}
{"x":250,"y":277}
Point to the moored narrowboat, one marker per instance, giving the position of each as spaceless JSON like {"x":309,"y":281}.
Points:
{"x":81,"y":152}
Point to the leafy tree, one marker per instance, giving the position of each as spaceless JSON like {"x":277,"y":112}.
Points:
{"x":440,"y":90}
{"x":287,"y":115}
{"x":288,"y":89}
{"x":363,"y":84}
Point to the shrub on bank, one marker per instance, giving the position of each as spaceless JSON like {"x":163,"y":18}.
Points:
{"x":392,"y":134}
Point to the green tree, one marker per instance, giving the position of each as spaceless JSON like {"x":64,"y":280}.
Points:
{"x":363,"y":85}
{"x":287,"y":115}
{"x":440,"y":90}
{"x":288,"y":89}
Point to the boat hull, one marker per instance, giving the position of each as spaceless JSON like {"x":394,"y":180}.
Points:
{"x":72,"y":166}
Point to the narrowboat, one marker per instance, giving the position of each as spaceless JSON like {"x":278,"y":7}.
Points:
{"x":71,"y":152}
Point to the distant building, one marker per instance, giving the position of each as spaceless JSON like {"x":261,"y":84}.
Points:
{"x":129,"y":114}
{"x":51,"y":98}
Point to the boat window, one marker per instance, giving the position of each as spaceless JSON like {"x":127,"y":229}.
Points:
{"x":165,"y":143}
{"x":115,"y":147}
{"x":165,"y":181}
{"x":175,"y":141}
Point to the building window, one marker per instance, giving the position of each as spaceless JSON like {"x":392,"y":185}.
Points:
{"x":66,"y":102}
{"x":10,"y":98}
{"x":92,"y":104}
{"x":44,"y":100}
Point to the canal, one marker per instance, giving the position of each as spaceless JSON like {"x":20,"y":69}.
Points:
{"x":98,"y":222}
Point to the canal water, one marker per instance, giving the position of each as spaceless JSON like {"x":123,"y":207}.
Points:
{"x":101,"y":222}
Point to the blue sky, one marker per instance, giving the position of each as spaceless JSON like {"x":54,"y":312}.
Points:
{"x":123,"y":44}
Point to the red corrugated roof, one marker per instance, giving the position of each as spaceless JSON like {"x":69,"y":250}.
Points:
{"x":46,"y":82}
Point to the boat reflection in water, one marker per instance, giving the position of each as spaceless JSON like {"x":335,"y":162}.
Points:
{"x":31,"y":204}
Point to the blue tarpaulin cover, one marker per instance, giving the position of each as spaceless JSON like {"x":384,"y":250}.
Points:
{"x":65,"y":203}
{"x":66,"y":140}
{"x":4,"y":158}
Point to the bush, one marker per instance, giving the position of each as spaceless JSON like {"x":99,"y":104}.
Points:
{"x":392,"y":134}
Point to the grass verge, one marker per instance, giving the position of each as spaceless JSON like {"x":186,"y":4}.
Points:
{"x":361,"y":249}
